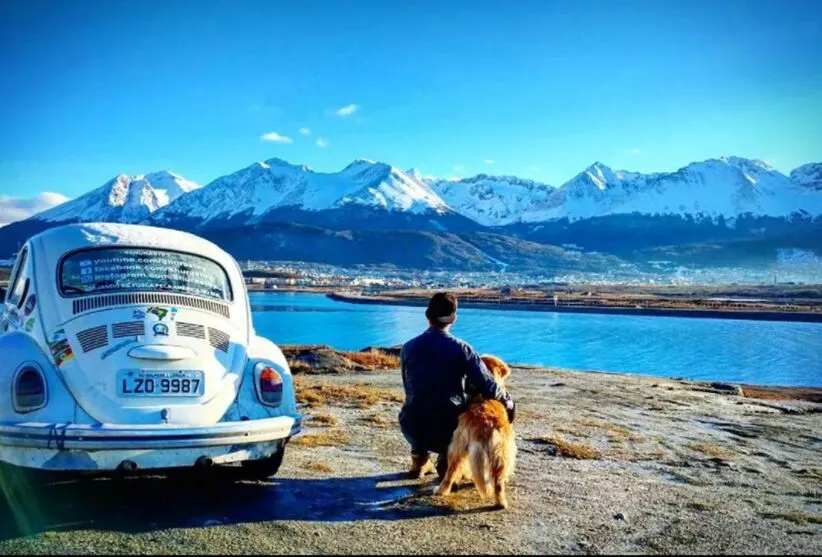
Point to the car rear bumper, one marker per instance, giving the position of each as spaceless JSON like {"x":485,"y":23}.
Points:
{"x":107,"y":446}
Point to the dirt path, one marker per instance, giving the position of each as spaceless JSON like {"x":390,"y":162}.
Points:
{"x":671,"y":469}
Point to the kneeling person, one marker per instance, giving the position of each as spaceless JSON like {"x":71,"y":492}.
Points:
{"x":435,"y":368}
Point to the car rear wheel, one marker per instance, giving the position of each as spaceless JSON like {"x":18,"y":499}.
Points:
{"x":264,"y":468}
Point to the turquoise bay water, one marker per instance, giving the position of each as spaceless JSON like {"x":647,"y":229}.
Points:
{"x":761,"y":352}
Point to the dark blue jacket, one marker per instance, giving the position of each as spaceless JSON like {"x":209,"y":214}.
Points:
{"x":435,"y":368}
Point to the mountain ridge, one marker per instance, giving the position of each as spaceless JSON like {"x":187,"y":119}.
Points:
{"x":371,"y":211}
{"x":126,"y":199}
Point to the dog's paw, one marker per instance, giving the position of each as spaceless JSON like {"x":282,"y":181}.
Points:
{"x":501,"y":505}
{"x":440,"y":491}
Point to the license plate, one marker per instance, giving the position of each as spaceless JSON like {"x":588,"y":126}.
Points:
{"x":137,"y":382}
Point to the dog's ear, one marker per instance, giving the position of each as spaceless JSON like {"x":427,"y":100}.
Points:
{"x":497,"y":367}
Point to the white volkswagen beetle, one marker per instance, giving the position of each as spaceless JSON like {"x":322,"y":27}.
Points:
{"x":129,"y":347}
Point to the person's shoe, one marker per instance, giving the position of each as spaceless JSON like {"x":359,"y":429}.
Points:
{"x":420,"y":466}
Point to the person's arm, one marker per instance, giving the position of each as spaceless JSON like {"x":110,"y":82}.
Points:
{"x":479,"y":375}
{"x":482,"y":379}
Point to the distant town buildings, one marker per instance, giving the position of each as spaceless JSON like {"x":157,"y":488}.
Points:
{"x":373,"y":279}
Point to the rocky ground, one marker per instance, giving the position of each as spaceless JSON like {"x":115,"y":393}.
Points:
{"x":607,"y":464}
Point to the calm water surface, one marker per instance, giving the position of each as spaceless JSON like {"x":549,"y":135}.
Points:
{"x":763,"y":352}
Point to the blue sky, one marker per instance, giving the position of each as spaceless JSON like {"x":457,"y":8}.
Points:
{"x":542,"y":89}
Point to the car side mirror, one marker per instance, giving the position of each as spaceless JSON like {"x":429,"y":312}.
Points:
{"x":2,"y":294}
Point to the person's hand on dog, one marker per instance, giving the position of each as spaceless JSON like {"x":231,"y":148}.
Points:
{"x":511,"y":408}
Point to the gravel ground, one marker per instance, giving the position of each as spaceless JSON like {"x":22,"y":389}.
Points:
{"x":673,"y":468}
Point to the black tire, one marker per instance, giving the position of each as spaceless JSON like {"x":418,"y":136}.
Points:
{"x":264,"y":468}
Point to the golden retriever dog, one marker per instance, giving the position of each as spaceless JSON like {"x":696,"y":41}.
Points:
{"x":483,"y":446}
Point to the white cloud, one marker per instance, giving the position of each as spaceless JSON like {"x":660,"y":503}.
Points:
{"x":347,"y":110}
{"x":13,"y":209}
{"x":489,"y":161}
{"x":275,"y":137}
{"x":322,"y":142}
{"x":459,"y":168}
{"x":634,"y":151}
{"x":305,"y":131}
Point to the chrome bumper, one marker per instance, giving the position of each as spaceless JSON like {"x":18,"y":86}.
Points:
{"x":113,"y":437}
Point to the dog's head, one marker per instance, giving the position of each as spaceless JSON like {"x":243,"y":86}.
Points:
{"x":499,"y":369}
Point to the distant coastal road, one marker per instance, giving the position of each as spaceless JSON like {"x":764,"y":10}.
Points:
{"x":752,"y":314}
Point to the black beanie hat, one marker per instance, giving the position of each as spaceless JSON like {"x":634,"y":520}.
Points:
{"x":441,"y":304}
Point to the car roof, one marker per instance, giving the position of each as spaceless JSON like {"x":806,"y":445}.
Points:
{"x":52,"y":244}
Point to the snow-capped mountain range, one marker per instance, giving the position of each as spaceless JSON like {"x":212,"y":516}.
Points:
{"x":726,"y":187}
{"x":373,"y":213}
{"x":275,"y":184}
{"x":126,"y":199}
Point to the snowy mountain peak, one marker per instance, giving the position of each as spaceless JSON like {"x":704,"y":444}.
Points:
{"x":601,"y":175}
{"x":277,"y":184}
{"x":808,"y":176}
{"x":280,"y":163}
{"x":359,"y":164}
{"x":492,"y":200}
{"x":126,"y":199}
{"x":747,"y":165}
{"x":362,"y":167}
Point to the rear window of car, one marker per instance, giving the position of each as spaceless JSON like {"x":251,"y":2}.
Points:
{"x":107,"y":270}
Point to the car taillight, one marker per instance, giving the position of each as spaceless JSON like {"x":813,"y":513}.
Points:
{"x":271,"y":386}
{"x":29,"y":390}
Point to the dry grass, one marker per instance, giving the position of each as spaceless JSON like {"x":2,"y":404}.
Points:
{"x":616,"y":434}
{"x":710,"y":449}
{"x":782,"y":393}
{"x":628,"y":456}
{"x":322,"y":420}
{"x":570,"y":431}
{"x":374,"y":359}
{"x":299,"y":366}
{"x":318,"y":466}
{"x":529,"y":414}
{"x":610,"y":428}
{"x":329,"y":438}
{"x":376,"y":419}
{"x":796,"y":517}
{"x":568,"y":449}
{"x":613,"y":429}
{"x":359,"y":396}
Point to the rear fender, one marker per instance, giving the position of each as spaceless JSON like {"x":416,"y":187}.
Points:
{"x":18,"y":349}
{"x":248,"y":405}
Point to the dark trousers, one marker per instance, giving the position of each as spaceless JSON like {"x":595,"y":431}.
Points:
{"x":428,"y":430}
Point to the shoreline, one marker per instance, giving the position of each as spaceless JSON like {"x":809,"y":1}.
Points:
{"x":756,"y":315}
{"x":321,"y":359}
